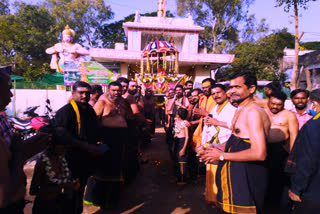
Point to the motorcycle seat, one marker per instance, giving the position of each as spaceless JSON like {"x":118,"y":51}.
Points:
{"x":21,"y":122}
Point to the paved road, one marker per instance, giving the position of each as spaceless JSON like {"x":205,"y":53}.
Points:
{"x":155,"y":191}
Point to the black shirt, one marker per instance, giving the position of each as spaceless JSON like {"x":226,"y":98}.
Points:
{"x":89,"y":132}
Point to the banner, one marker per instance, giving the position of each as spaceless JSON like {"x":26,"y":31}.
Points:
{"x":92,"y":72}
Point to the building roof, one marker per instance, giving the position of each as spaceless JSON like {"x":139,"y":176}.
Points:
{"x":160,"y":23}
{"x":310,"y":60}
{"x":131,"y":56}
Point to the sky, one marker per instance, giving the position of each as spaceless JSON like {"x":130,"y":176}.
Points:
{"x":276,"y":18}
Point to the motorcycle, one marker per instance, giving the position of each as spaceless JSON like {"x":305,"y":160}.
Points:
{"x":31,"y":124}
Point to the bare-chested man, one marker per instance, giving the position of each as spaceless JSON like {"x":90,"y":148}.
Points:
{"x":129,"y":96}
{"x":112,"y":111}
{"x":149,"y":110}
{"x":13,"y":155}
{"x":284,"y":124}
{"x":282,"y":134}
{"x":124,"y":83}
{"x":242,"y":176}
{"x":135,"y":123}
{"x":268,"y":89}
{"x":169,"y":119}
{"x":96,"y":92}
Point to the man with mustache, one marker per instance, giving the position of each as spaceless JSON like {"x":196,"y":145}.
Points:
{"x":241,"y":175}
{"x":113,"y":113}
{"x":96,"y":92}
{"x":194,"y":103}
{"x":216,"y":130}
{"x":189,"y":84}
{"x":206,"y":103}
{"x":181,"y":100}
{"x":282,"y":134}
{"x":136,"y":122}
{"x":124,"y":83}
{"x":268,"y":89}
{"x":194,"y":165}
{"x":129,"y":96}
{"x":80,"y":120}
{"x":299,"y":98}
{"x":178,"y":101}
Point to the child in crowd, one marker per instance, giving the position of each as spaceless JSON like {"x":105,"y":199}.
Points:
{"x":51,"y":182}
{"x":181,"y":137}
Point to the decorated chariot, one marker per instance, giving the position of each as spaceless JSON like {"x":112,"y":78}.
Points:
{"x":159,"y":67}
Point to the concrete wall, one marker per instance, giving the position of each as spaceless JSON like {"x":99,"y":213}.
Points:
{"x":124,"y":69}
{"x":200,"y":74}
{"x":30,"y":97}
{"x":134,"y":40}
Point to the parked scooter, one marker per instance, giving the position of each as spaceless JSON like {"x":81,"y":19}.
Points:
{"x":31,"y":124}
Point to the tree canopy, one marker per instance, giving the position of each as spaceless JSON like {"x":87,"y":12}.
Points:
{"x":310,"y":45}
{"x":260,"y":57}
{"x":288,"y":4}
{"x":113,"y":32}
{"x":296,"y":4}
{"x":24,"y":36}
{"x":220,"y":18}
{"x":29,"y":29}
{"x":84,"y":16}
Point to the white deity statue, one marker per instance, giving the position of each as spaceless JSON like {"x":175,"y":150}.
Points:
{"x":66,"y":51}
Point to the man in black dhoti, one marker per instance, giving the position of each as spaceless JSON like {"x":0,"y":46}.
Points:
{"x":104,"y":186}
{"x":242,"y":174}
{"x":80,"y":120}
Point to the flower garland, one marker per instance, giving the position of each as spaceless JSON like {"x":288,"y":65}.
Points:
{"x":64,"y":178}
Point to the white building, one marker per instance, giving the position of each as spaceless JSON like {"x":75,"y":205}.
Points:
{"x":185,"y":35}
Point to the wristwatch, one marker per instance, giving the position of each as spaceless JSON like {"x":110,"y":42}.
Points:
{"x":221,"y":156}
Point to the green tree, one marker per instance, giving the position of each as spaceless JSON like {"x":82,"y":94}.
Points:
{"x":4,"y":7}
{"x":220,"y":18}
{"x":84,"y":16}
{"x":261,"y":57}
{"x":253,"y":30}
{"x":310,"y":45}
{"x":288,"y":4}
{"x":24,"y":36}
{"x":113,"y":32}
{"x":37,"y":31}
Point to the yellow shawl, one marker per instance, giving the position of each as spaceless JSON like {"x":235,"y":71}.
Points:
{"x":206,"y":103}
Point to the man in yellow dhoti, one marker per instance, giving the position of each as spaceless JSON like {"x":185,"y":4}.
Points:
{"x":217,"y":130}
{"x":206,"y":103}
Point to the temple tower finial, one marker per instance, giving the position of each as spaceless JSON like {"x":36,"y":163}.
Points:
{"x":162,"y":8}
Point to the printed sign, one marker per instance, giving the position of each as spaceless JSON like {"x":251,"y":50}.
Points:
{"x":90,"y":72}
